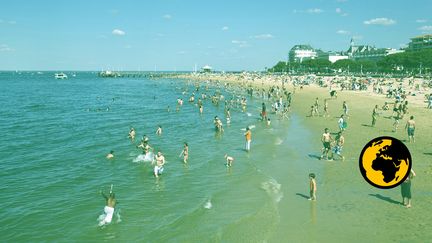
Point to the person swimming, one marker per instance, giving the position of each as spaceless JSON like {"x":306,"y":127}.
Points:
{"x":110,"y":155}
{"x":159,"y":130}
{"x":109,"y":208}
{"x":132,"y":134}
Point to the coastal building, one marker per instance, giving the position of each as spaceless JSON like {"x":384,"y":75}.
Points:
{"x":300,"y":53}
{"x":332,"y":56}
{"x":367,"y":52}
{"x":420,"y":43}
{"x":206,"y":69}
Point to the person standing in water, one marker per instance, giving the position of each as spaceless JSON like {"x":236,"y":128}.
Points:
{"x":337,"y":149}
{"x":185,"y":153}
{"x":312,"y":187}
{"x":228,"y":116}
{"x":248,"y":137}
{"x":229,"y":160}
{"x":132,"y":134}
{"x":109,"y":208}
{"x":326,"y":140}
{"x":160,"y":162}
{"x":264,"y":112}
{"x":410,"y":127}
{"x":159,"y":130}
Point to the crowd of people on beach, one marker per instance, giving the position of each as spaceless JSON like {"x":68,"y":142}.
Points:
{"x":333,"y":146}
{"x":279,"y":98}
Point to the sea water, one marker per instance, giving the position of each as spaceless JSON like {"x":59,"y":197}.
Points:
{"x":56,"y":134}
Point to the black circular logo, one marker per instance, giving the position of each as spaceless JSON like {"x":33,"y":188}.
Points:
{"x":385,"y":162}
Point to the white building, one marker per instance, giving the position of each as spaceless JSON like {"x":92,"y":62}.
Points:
{"x":299,"y":53}
{"x":335,"y":58}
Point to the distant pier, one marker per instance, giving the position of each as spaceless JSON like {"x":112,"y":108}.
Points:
{"x":138,"y":74}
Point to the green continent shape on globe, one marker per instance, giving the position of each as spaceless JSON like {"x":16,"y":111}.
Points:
{"x":388,"y":160}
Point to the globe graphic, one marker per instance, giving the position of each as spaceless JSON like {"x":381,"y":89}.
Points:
{"x":385,"y":162}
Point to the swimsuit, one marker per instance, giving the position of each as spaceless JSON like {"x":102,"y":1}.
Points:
{"x":109,"y":212}
{"x":158,"y":170}
{"x":411,"y":131}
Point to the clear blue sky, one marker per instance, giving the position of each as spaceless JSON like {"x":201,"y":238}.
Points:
{"x":177,"y":34}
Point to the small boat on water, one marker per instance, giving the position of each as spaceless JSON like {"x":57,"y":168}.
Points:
{"x":60,"y":76}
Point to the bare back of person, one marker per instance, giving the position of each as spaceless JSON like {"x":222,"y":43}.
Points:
{"x":111,"y":202}
{"x":411,"y":124}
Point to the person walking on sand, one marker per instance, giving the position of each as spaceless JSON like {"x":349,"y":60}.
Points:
{"x":326,"y":140}
{"x":345,"y":108}
{"x":229,"y":160}
{"x":312,"y":187}
{"x":248,"y":137}
{"x":312,"y":111}
{"x":341,"y":123}
{"x":410,"y":127}
{"x":326,"y":111}
{"x":339,"y":142}
{"x":430,"y":102}
{"x":185,"y":153}
{"x":396,"y":122}
{"x":406,"y":189}
{"x":374,"y":115}
{"x":315,"y":107}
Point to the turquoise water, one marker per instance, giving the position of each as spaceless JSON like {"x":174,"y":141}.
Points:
{"x":56,"y":133}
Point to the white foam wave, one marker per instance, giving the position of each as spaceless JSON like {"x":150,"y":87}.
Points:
{"x":278,"y":141}
{"x":144,"y":158}
{"x":273,"y":189}
{"x":208,"y":204}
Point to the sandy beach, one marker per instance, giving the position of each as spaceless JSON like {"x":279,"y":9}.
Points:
{"x":339,"y":190}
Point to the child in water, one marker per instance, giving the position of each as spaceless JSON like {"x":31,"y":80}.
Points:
{"x":313,"y":187}
{"x":229,"y":160}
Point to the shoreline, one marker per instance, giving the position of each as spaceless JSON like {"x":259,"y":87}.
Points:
{"x":359,"y":132}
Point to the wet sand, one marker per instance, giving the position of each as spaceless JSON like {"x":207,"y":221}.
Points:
{"x":348,"y":208}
